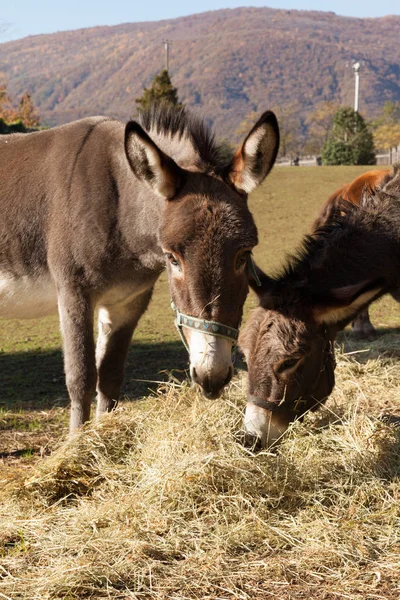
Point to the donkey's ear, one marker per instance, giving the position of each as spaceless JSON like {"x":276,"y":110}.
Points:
{"x":344,"y":303}
{"x":254,"y":160}
{"x":150,"y":164}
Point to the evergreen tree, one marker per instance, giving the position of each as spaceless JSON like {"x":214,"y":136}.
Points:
{"x":161,"y":90}
{"x":350,"y":141}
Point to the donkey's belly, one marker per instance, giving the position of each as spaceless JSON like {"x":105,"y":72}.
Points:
{"x":27,"y":297}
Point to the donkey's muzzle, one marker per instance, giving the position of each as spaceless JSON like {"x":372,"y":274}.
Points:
{"x":263,"y":428}
{"x":211,"y":365}
{"x":212,"y":385}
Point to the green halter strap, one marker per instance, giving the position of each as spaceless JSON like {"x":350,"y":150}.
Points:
{"x":211,"y":327}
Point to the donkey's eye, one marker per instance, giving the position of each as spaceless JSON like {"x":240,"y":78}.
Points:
{"x":289,"y":363}
{"x":172,"y":259}
{"x":242,"y":259}
{"x":284,"y":366}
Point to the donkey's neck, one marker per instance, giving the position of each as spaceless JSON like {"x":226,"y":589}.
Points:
{"x":139,"y":220}
{"x":364,"y":246}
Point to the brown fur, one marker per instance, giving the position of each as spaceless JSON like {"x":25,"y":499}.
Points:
{"x":93,"y":209}
{"x":340,"y":269}
{"x":352,"y":192}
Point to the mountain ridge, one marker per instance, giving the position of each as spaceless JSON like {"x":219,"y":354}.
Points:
{"x":225,"y":63}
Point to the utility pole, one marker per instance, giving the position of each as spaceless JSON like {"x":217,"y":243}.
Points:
{"x":167,"y":44}
{"x":356,"y":69}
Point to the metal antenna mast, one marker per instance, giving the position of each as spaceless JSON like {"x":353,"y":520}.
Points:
{"x":356,"y":69}
{"x":167,"y":44}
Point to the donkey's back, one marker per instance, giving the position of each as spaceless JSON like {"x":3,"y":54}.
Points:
{"x":48,"y":203}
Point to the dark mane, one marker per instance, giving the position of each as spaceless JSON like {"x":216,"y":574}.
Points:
{"x":171,"y":121}
{"x":337,"y":250}
{"x":313,"y":246}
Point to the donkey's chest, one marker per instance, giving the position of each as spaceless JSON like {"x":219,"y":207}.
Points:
{"x":27,"y":297}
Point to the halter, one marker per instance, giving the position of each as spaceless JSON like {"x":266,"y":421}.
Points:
{"x":211,"y":327}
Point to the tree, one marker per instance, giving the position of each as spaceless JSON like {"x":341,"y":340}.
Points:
{"x":7,"y":112}
{"x":16,"y":127}
{"x":248,"y":122}
{"x":387,"y":126}
{"x":320,"y":123}
{"x":161,"y":90}
{"x":390,"y":114}
{"x":26,"y":112}
{"x":350,"y":141}
{"x":387,"y":136}
{"x":291,"y":129}
{"x":25,"y":116}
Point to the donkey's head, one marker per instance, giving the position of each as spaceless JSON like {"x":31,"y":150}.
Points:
{"x":288,"y":342}
{"x":290,"y":371}
{"x":207,"y":232}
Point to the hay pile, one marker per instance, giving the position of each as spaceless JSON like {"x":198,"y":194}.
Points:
{"x":160,"y":501}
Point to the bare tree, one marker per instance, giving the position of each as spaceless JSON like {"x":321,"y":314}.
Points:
{"x":320,"y":123}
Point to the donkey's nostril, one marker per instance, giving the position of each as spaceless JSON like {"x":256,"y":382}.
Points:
{"x":211,"y":384}
{"x":229,"y":375}
{"x":195,"y":377}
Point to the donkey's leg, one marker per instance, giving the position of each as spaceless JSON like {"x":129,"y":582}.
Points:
{"x":362,"y":325}
{"x":116,"y":326}
{"x":76,"y":319}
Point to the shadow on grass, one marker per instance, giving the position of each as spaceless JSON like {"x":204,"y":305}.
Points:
{"x":35,"y":380}
{"x":385,"y":341}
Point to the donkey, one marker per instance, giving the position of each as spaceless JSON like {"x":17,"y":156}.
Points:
{"x":288,"y":340}
{"x":352,"y":192}
{"x":93,"y":211}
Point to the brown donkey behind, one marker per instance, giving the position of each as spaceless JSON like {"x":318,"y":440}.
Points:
{"x":352,"y":192}
{"x":93,"y":211}
{"x":288,"y":340}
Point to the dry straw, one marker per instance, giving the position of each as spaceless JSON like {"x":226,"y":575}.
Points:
{"x":160,"y":501}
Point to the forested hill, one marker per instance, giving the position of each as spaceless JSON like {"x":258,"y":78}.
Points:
{"x":225,"y":64}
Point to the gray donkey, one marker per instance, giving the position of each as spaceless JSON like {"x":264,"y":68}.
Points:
{"x":92,"y":212}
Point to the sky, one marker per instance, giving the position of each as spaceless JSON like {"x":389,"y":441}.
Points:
{"x":21,"y":18}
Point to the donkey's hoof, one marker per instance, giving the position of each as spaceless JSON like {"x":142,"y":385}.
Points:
{"x":363,"y":331}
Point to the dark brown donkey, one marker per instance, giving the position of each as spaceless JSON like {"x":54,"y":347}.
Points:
{"x":352,"y":192}
{"x":288,"y":339}
{"x":94,"y":210}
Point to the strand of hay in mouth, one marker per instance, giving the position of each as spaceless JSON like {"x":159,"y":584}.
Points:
{"x":159,"y":501}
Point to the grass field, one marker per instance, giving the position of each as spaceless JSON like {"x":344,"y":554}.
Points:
{"x":159,"y":501}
